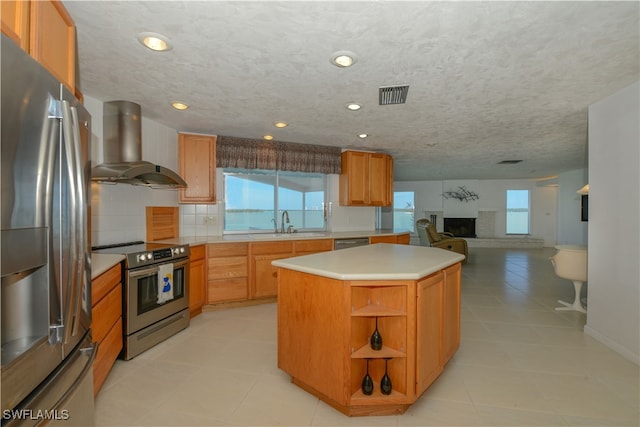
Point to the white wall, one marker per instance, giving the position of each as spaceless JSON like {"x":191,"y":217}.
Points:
{"x":347,"y":218}
{"x":118,"y":211}
{"x":492,"y":198}
{"x":571,"y":229}
{"x":614,"y":230}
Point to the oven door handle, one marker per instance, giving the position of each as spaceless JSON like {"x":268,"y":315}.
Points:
{"x":148,"y":271}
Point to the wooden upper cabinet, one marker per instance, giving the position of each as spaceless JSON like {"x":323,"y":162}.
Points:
{"x":52,"y":40}
{"x":379,"y":179}
{"x":15,"y":22}
{"x":46,"y":31}
{"x":197,"y":166}
{"x":354,"y":178}
{"x":366,"y":179}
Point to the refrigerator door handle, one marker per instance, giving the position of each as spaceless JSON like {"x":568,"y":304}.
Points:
{"x":73,"y":292}
{"x":91,"y":353}
{"x":82,"y":239}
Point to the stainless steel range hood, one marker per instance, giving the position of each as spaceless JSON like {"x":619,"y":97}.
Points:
{"x":122,"y":139}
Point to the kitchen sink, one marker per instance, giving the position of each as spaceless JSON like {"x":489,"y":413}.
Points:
{"x":272,"y":236}
{"x":303,"y":235}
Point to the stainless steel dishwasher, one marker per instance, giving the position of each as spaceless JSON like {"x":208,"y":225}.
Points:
{"x":350,"y":243}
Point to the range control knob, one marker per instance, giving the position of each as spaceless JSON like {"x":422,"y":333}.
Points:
{"x":181,"y":250}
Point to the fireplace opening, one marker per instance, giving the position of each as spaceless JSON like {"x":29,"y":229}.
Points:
{"x":460,"y":227}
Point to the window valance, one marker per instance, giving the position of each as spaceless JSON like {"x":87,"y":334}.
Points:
{"x":246,"y":153}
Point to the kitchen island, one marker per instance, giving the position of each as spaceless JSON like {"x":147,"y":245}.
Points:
{"x":330,"y":304}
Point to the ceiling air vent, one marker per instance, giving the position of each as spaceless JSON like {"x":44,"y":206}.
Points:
{"x":509,"y":162}
{"x":389,"y":95}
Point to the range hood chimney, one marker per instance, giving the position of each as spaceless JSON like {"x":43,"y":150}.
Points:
{"x":122,"y":148}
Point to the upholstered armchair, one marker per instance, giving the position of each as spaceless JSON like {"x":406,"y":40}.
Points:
{"x":429,"y":236}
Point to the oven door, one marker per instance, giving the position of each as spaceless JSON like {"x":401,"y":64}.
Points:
{"x":142,"y":308}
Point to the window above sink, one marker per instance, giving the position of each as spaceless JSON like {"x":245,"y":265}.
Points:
{"x":255,"y":201}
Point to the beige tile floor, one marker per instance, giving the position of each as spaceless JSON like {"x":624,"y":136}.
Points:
{"x":520,"y":363}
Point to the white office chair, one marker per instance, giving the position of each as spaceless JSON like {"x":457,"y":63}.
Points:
{"x":570,"y":262}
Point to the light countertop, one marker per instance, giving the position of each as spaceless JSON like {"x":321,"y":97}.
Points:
{"x":271,"y":237}
{"x":381,"y":261}
{"x":102,"y":262}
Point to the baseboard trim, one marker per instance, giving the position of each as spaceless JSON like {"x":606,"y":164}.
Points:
{"x":519,"y":243}
{"x":623,"y":351}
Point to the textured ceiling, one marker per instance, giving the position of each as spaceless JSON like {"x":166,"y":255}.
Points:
{"x":489,"y":81}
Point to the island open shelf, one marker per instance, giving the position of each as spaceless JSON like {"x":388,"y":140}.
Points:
{"x":328,"y":309}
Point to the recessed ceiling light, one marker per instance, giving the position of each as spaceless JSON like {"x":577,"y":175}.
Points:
{"x":363,"y":135}
{"x":155,"y":41}
{"x":268,"y":137}
{"x":343,"y":59}
{"x":353,"y":106}
{"x":179,"y":105}
{"x":280,"y":124}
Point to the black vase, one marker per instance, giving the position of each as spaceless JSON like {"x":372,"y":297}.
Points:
{"x":385,"y":382}
{"x":376,"y":338}
{"x":367,"y":382}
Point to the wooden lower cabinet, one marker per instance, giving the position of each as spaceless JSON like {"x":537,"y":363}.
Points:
{"x":451,"y":312}
{"x":438,"y":320}
{"x":324,"y":330}
{"x":197,"y":279}
{"x":307,"y":247}
{"x":106,"y":313}
{"x":429,"y":322}
{"x":401,"y":239}
{"x":227,"y":272}
{"x":242,"y":272}
{"x":264,"y":277}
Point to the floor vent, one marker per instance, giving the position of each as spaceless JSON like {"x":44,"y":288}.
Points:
{"x":509,"y":162}
{"x":389,"y":95}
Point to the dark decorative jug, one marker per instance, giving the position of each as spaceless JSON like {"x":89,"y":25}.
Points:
{"x":376,"y":338}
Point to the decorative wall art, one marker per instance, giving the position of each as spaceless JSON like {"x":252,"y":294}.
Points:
{"x":461,"y":194}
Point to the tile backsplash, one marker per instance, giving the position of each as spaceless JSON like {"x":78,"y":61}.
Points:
{"x":201,"y":220}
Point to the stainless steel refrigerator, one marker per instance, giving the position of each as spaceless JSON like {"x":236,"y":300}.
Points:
{"x":47,"y":351}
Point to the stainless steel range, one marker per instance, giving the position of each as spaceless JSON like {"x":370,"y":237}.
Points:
{"x":156,"y":294}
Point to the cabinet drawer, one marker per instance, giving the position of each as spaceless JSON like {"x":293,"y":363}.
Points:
{"x":227,"y":249}
{"x":271,"y":248}
{"x":198,"y":252}
{"x":313,"y":245}
{"x":101,"y":285}
{"x":108,"y":351}
{"x":106,"y":312}
{"x":227,"y":290}
{"x":233,"y":266}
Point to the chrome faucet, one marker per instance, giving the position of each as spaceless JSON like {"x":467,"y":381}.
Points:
{"x":285,"y":217}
